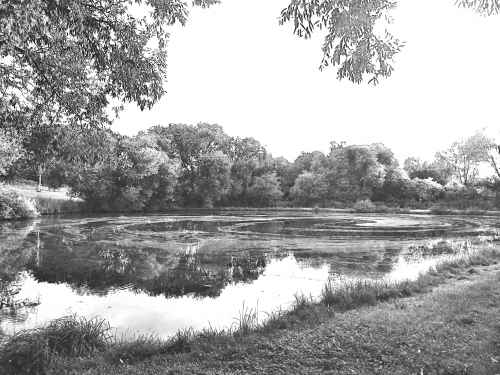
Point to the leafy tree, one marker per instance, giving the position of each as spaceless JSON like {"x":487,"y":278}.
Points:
{"x":305,"y":162}
{"x":283,"y":169}
{"x":61,"y":62}
{"x":394,"y":187}
{"x":309,"y":162}
{"x":351,"y":42}
{"x":191,"y":145}
{"x":131,"y":176}
{"x":249,"y":160}
{"x":214,"y":178}
{"x":424,"y":190}
{"x":265,"y":190}
{"x":464,"y":157}
{"x":310,"y":188}
{"x":9,"y":152}
{"x":354,"y":170}
{"x":484,"y":7}
{"x":490,"y":151}
{"x":492,"y":185}
{"x":416,"y":168}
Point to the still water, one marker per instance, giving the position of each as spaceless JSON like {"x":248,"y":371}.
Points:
{"x":160,"y":273}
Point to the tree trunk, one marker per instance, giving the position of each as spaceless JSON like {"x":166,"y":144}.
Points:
{"x":39,"y":187}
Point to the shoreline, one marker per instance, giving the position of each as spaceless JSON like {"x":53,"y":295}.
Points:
{"x":362,"y":328}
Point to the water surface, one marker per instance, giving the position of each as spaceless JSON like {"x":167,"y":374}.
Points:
{"x":160,"y":273}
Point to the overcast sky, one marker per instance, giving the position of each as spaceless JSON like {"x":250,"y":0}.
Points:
{"x":233,"y":65}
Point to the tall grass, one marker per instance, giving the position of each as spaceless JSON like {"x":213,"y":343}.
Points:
{"x":36,"y":350}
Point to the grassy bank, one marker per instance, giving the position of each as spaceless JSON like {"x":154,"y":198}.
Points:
{"x":49,"y":201}
{"x":443,"y":321}
{"x":470,"y":211}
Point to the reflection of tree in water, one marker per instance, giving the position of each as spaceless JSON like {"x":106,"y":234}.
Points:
{"x":93,"y":267}
{"x":15,"y":252}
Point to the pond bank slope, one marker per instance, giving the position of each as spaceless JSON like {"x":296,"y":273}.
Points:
{"x":452,"y":329}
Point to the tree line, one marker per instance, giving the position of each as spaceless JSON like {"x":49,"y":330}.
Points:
{"x":201,"y":166}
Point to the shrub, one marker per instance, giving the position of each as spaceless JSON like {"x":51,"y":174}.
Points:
{"x":15,"y":206}
{"x":364,"y":205}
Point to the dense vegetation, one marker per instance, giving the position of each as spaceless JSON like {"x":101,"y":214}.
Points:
{"x":201,"y":166}
{"x":64,"y":64}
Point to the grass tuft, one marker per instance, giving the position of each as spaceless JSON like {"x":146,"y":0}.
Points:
{"x":36,"y":350}
{"x":247,"y":321}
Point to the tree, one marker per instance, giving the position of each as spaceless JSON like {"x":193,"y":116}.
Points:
{"x":310,"y":188}
{"x":265,"y":190}
{"x":351,"y":42}
{"x":490,"y":151}
{"x":199,"y":149}
{"x":424,"y":190}
{"x":133,"y":175}
{"x":62,"y":61}
{"x":416,"y":168}
{"x":10,"y":151}
{"x":464,"y":157}
{"x":214,"y":178}
{"x":394,"y":187}
{"x":249,"y":159}
{"x":354,"y":170}
{"x":484,"y":7}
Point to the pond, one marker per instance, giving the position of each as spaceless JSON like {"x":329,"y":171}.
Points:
{"x":161,"y":273}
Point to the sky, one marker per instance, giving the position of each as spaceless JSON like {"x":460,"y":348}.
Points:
{"x":235,"y":66}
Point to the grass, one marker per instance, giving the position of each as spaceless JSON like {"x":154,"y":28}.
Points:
{"x":37,"y":350}
{"x":393,"y":325}
{"x":437,"y":210}
{"x":49,"y":202}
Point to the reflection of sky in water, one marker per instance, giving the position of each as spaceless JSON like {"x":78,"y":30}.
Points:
{"x":131,"y":312}
{"x":272,"y":257}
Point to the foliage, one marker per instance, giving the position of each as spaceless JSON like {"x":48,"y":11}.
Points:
{"x":351,"y":41}
{"x":464,"y":157}
{"x":199,"y":149}
{"x":483,"y":7}
{"x":9,"y":153}
{"x":213,"y":181}
{"x":309,"y":188}
{"x":492,"y":155}
{"x":15,"y":206}
{"x":265,"y":190}
{"x":133,"y":176}
{"x":354,"y":170}
{"x":491,"y":185}
{"x":394,"y":187}
{"x":364,"y":206}
{"x":416,"y":168}
{"x":424,"y":190}
{"x":61,"y":62}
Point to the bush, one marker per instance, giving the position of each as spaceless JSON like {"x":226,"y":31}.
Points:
{"x":364,"y":206}
{"x":15,"y":206}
